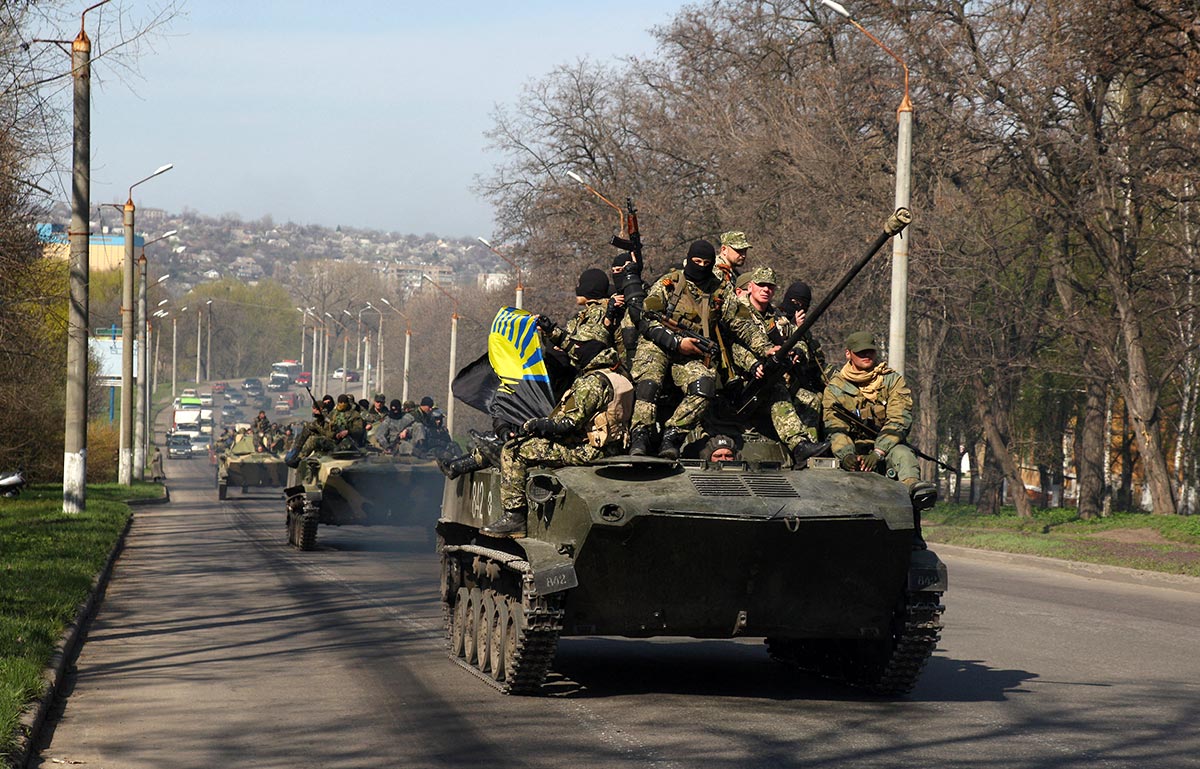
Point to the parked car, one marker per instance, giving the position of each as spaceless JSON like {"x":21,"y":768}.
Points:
{"x":305,"y":379}
{"x":220,"y":387}
{"x":179,"y":447}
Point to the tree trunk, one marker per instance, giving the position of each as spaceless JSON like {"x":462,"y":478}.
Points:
{"x":993,"y":417}
{"x":990,"y":484}
{"x":1091,"y":443}
{"x":931,"y":338}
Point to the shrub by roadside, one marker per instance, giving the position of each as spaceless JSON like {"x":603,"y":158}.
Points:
{"x":1163,"y":543}
{"x":47,"y":563}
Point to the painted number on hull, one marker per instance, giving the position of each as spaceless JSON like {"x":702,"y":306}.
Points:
{"x":555,"y":579}
{"x":481,"y":500}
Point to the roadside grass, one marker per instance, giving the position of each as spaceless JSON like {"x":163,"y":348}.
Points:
{"x":47,"y":563}
{"x":1164,"y":543}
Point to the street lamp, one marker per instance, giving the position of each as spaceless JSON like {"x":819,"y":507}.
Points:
{"x":453,"y":354}
{"x":174,"y":348}
{"x":303,"y":333}
{"x":367,"y":352}
{"x":407,"y":346}
{"x":125,"y":458}
{"x":345,"y":348}
{"x":142,"y":432}
{"x":897,"y":323}
{"x":515,"y":266}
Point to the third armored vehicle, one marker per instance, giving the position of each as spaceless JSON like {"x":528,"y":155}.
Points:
{"x":821,"y":563}
{"x":361,"y":488}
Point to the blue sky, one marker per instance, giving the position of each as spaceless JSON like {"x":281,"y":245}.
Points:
{"x":367,"y":114}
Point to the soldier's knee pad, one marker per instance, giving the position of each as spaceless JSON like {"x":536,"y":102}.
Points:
{"x":646,"y":390}
{"x":705,"y":387}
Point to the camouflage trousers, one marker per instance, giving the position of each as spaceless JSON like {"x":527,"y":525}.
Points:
{"x":651,"y":363}
{"x":788,"y":424}
{"x":900,"y":464}
{"x":807,"y":405}
{"x":518,"y":455}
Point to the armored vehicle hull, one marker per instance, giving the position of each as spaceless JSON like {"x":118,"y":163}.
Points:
{"x":818,"y":562}
{"x":248,"y":471}
{"x":352,"y":488}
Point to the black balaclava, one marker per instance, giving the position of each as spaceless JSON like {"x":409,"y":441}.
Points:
{"x":593,"y":284}
{"x":700,"y":249}
{"x":327,"y":403}
{"x":395,"y":409}
{"x":797,"y":297}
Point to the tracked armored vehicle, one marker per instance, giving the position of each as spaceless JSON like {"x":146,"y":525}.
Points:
{"x":361,"y":488}
{"x":242,"y":465}
{"x":820,"y":563}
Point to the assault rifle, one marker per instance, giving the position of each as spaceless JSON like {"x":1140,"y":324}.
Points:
{"x":872,"y":432}
{"x":633,"y":240}
{"x":708,"y":348}
{"x":775,"y":365}
{"x":320,"y":415}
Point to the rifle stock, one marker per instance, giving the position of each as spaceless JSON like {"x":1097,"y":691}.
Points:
{"x":775,"y":368}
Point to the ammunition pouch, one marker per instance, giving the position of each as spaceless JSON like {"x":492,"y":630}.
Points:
{"x":667,"y":340}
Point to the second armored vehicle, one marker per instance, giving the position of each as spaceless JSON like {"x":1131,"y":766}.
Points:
{"x":243,"y":465}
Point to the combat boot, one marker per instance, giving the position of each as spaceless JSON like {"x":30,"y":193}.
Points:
{"x":802,"y":452}
{"x":453,"y":468}
{"x":923,"y":495}
{"x":639,"y":441}
{"x":511,"y":524}
{"x":672,"y":442}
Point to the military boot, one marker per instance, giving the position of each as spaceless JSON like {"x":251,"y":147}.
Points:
{"x":802,"y":452}
{"x":672,"y":442}
{"x":923,"y":495}
{"x":511,"y":524}
{"x":639,"y":441}
{"x":467,"y":463}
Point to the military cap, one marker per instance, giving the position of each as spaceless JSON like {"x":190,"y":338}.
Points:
{"x":860,"y":341}
{"x":379,"y":398}
{"x":763,"y":276}
{"x":735,"y":239}
{"x":409,"y":405}
{"x":427,"y":401}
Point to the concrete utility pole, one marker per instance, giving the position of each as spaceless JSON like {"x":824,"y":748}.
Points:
{"x":76,"y":416}
{"x":139,"y":434}
{"x":407,"y":346}
{"x":898,"y":318}
{"x":175,"y":351}
{"x":208,"y":348}
{"x":453,"y":355}
{"x":199,"y":340}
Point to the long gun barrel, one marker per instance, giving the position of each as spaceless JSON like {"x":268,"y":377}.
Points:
{"x":775,"y":366}
{"x":315,"y":404}
{"x":872,"y":432}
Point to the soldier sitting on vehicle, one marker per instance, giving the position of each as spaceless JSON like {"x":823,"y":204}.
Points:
{"x":868,"y":413}
{"x":386,"y":434}
{"x":347,"y":424}
{"x":588,"y":423}
{"x":433,"y":440}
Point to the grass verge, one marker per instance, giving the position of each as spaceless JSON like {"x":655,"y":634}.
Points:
{"x":1164,"y":543}
{"x":47,"y":563}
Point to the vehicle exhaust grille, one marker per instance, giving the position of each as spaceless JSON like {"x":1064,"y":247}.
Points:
{"x":739,"y":485}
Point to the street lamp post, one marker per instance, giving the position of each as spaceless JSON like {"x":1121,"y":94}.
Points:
{"x":141,"y":446}
{"x":174,"y":350}
{"x":453,"y":354}
{"x":125,"y":458}
{"x":898,"y":319}
{"x":520,"y":288}
{"x":199,"y":338}
{"x":208,"y":347}
{"x":303,"y":334}
{"x":407,"y":347}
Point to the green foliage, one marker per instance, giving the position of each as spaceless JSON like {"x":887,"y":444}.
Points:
{"x":49,"y":562}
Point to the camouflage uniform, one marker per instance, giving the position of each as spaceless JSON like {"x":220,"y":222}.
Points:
{"x":883,"y":401}
{"x":590,"y":395}
{"x":795,"y":421}
{"x":386,"y":434}
{"x":352,"y":422}
{"x":684,"y":302}
{"x":587,"y":326}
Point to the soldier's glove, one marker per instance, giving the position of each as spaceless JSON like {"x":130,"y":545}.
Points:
{"x":614,"y":313}
{"x":849,"y":461}
{"x":546,"y":323}
{"x":546,"y":427}
{"x":871,"y":459}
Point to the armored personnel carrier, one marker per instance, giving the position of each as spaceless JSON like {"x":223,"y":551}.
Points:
{"x":243,"y":465}
{"x":360,"y":488}
{"x":821,"y":563}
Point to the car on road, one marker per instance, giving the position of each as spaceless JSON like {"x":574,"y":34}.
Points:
{"x":235,"y":398}
{"x":353,"y":376}
{"x":220,"y":387}
{"x":206,"y":399}
{"x":190,"y":392}
{"x":305,"y":379}
{"x":338,"y":373}
{"x":230,"y":412}
{"x":201,"y":444}
{"x":252,"y":383}
{"x":286,"y":402}
{"x":179,"y":447}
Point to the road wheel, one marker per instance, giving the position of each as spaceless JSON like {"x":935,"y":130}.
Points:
{"x":474,"y":599}
{"x":497,"y":642}
{"x":458,"y":621}
{"x":514,"y":626}
{"x":483,"y":631}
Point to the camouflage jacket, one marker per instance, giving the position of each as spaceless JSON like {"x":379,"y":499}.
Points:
{"x":349,"y":420}
{"x":587,"y":326}
{"x":884,"y":403}
{"x":588,"y":396}
{"x":683,"y":302}
{"x":807,"y":372}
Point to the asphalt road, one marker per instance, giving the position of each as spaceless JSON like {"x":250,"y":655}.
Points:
{"x":220,"y":646}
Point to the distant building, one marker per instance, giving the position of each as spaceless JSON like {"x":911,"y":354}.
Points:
{"x":105,"y":252}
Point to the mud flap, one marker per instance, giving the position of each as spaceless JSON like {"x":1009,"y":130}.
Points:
{"x":553,"y":572}
{"x":927,"y":573}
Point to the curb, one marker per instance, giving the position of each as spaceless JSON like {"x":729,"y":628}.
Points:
{"x":34,"y":718}
{"x":145,"y":501}
{"x":1181,"y":582}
